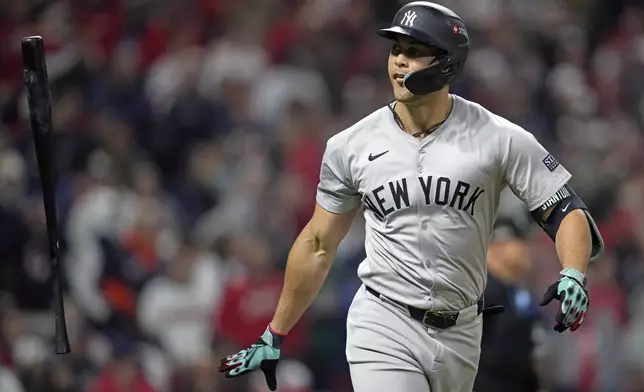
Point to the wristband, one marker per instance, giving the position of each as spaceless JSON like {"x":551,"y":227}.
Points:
{"x":276,"y":337}
{"x":575,"y":274}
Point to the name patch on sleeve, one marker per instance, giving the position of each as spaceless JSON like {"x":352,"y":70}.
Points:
{"x":561,"y":194}
{"x":550,"y":162}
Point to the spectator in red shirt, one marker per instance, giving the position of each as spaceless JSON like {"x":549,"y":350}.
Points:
{"x":599,"y":370}
{"x":302,"y":152}
{"x":250,"y":299}
{"x":122,"y":374}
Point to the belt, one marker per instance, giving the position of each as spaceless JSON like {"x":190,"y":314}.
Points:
{"x":440,"y":319}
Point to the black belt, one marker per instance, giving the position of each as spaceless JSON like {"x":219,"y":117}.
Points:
{"x":440,"y":319}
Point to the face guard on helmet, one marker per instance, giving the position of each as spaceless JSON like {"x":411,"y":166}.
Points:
{"x":437,"y":26}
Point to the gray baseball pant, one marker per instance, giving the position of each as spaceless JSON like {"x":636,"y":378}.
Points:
{"x":388,"y":351}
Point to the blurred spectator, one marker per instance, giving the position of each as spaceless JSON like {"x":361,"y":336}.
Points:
{"x":9,"y":382}
{"x":197,"y":190}
{"x":608,"y":321}
{"x":97,"y":213}
{"x":190,"y":120}
{"x":176,"y":307}
{"x":120,"y":88}
{"x":236,"y":57}
{"x":302,"y":152}
{"x":122,"y":374}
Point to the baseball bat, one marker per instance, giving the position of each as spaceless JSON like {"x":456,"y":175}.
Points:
{"x":37,"y":86}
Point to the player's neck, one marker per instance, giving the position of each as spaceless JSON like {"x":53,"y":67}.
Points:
{"x":425,"y":113}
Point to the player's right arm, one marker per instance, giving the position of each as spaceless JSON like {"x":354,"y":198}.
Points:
{"x":308,"y":263}
{"x":312,"y":254}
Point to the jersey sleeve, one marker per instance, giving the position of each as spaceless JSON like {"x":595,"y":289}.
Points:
{"x":531,"y":172}
{"x":335,"y":192}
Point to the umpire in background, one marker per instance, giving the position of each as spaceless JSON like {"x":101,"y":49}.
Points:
{"x":508,"y":345}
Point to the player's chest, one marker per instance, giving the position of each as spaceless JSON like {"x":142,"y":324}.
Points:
{"x":394,"y":177}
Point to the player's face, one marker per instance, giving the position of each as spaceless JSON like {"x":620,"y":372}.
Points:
{"x":407,"y":55}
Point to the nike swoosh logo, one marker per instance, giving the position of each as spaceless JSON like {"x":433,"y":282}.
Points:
{"x":374,"y":157}
{"x":565,"y":208}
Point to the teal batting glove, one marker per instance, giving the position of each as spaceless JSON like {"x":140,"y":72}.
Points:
{"x":571,"y":292}
{"x":262,"y":355}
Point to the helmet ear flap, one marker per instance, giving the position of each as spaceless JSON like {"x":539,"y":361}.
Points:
{"x":457,"y":69}
{"x":454,"y":67}
{"x":460,"y":64}
{"x":448,"y":69}
{"x":433,"y":78}
{"x":453,"y":70}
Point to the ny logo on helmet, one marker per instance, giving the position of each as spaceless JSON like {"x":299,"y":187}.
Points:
{"x":408,"y":18}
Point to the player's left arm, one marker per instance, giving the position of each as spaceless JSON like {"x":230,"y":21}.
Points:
{"x":541,"y":182}
{"x":573,"y":239}
{"x":568,"y":222}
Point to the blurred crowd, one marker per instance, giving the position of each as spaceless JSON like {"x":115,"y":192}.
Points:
{"x":188,"y":136}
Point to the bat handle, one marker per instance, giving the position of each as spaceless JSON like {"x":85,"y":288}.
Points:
{"x":62,"y":340}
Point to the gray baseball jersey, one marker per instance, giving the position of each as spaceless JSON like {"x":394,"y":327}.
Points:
{"x":430,"y":204}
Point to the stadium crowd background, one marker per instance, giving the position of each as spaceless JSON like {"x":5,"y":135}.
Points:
{"x":189,"y":134}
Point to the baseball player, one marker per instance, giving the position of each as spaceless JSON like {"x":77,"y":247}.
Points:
{"x":426,"y":171}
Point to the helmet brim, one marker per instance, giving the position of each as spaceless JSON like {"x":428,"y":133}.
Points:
{"x":395,"y":32}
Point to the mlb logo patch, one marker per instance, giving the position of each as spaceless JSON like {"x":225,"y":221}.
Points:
{"x":550,"y":162}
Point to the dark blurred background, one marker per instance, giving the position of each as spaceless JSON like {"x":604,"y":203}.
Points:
{"x":189,"y":134}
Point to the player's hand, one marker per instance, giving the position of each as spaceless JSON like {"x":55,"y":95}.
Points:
{"x":262,"y":355}
{"x":571,"y":292}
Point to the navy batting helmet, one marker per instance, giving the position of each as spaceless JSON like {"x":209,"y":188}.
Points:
{"x":437,"y":26}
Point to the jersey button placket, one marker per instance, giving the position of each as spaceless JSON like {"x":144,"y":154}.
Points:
{"x":419,"y":168}
{"x":424,"y":226}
